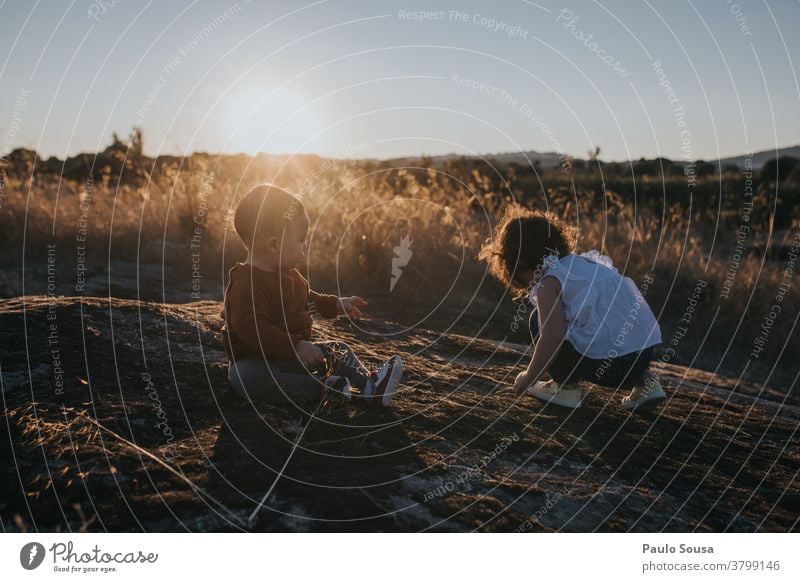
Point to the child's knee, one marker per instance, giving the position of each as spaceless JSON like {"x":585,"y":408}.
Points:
{"x":340,"y":346}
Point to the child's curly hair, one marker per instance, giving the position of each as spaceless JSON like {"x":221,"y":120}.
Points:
{"x":522,"y":240}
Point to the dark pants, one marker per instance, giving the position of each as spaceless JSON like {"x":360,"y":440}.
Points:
{"x":289,"y":382}
{"x":570,"y":366}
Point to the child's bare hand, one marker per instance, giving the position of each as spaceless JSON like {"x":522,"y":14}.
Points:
{"x":521,"y":383}
{"x":309,"y":355}
{"x":350,"y":306}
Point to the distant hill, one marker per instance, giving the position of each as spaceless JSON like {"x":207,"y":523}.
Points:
{"x":552,"y":160}
{"x":760,"y":158}
{"x":545,"y":160}
{"x":81,"y":165}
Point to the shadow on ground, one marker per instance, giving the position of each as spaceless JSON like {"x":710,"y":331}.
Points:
{"x":119,"y":418}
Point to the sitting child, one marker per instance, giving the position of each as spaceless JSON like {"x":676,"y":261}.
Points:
{"x":592,"y":324}
{"x":269,"y":311}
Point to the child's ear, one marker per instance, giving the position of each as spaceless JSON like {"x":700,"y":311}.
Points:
{"x":272,"y":244}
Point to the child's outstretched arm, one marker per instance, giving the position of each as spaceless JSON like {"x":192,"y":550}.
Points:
{"x":325,"y":305}
{"x":350,"y":306}
{"x":553,"y":329}
{"x":332,"y":306}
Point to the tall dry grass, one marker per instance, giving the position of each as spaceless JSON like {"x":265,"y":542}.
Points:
{"x":653,"y":229}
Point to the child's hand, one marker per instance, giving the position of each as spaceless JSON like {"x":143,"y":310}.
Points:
{"x":521,"y":383}
{"x":309,"y":355}
{"x":350,"y":306}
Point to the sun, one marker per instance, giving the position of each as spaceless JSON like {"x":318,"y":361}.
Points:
{"x":261,"y":118}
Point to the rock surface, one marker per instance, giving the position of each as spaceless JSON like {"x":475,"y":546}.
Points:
{"x":119,"y":418}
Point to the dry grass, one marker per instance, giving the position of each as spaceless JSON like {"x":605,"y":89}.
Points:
{"x":360,"y":210}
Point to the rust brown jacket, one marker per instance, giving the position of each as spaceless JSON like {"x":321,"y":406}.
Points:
{"x":268,"y":312}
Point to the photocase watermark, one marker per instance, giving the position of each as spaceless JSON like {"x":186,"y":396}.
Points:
{"x":679,"y":114}
{"x":197,"y":234}
{"x":739,"y":16}
{"x":475,"y":18}
{"x":52,"y":323}
{"x":101,"y":8}
{"x":552,"y":501}
{"x":291,"y":212}
{"x":630,"y":322}
{"x":480,"y":86}
{"x":20,"y":105}
{"x":66,"y":559}
{"x":686,"y":319}
{"x":421,"y":15}
{"x":510,"y":30}
{"x":402,"y":255}
{"x":168,"y":450}
{"x":313,"y":176}
{"x":81,"y":237}
{"x":206,"y":31}
{"x":31,"y":555}
{"x":760,"y":341}
{"x":169,"y":69}
{"x":743,"y":230}
{"x":475,"y":472}
{"x":521,"y":313}
{"x":530,"y":295}
{"x":523,"y":108}
{"x":568,"y":20}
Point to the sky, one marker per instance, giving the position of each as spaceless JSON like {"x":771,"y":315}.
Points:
{"x":377,"y":79}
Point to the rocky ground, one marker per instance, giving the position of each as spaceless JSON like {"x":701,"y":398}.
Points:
{"x":119,"y":418}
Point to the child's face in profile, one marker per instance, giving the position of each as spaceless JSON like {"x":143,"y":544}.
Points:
{"x":294,"y":245}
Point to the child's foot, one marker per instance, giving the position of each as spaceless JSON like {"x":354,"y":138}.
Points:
{"x":569,"y":395}
{"x":385,"y":381}
{"x":337,"y":388}
{"x":336,"y":395}
{"x":649,"y":395}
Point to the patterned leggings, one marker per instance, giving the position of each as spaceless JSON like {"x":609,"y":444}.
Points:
{"x":290,"y":382}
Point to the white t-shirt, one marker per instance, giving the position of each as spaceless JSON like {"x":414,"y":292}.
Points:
{"x":606,"y":314}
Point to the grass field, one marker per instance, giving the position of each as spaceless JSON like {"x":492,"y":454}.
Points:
{"x":711,"y":252}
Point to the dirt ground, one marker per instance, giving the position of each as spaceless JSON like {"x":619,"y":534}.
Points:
{"x":119,"y":417}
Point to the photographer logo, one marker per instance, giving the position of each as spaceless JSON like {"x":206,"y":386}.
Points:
{"x":31,"y":555}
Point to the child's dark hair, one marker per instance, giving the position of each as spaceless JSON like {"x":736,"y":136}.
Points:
{"x":265,"y":211}
{"x":522,"y":239}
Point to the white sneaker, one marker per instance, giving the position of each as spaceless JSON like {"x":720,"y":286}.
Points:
{"x":645,"y":397}
{"x":569,"y":395}
{"x":386,"y":379}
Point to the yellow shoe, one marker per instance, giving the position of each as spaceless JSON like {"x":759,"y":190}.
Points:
{"x":645,"y":397}
{"x":569,"y":395}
